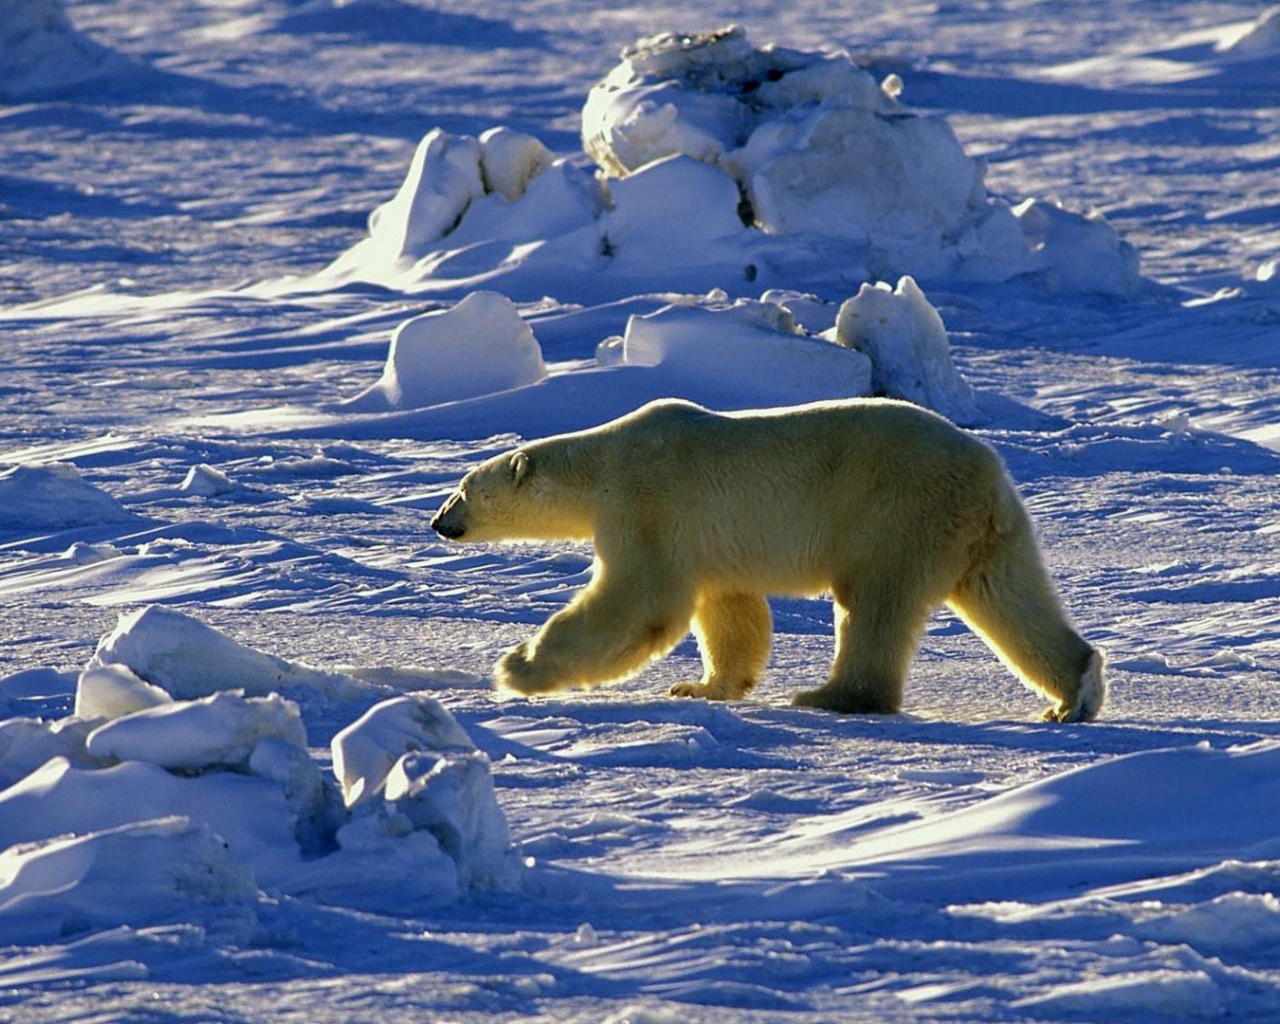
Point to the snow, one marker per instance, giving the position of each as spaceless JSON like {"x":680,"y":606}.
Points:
{"x":53,"y":497}
{"x":251,"y":765}
{"x":475,"y":348}
{"x":906,"y":341}
{"x":41,"y":53}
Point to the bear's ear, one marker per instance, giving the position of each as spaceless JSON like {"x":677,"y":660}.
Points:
{"x":519,"y":467}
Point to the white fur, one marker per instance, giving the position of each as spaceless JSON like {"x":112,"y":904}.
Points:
{"x":698,"y":516}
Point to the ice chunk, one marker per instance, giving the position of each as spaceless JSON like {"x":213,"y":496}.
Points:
{"x":206,"y":481}
{"x":904,"y":337}
{"x":365,"y":751}
{"x":677,"y":206}
{"x":451,"y":796}
{"x":111,"y":690}
{"x":133,"y":874}
{"x":27,"y":743}
{"x":1260,"y":39}
{"x":479,"y":346}
{"x":443,"y":180}
{"x":54,"y":497}
{"x":510,"y":160}
{"x":749,"y":348}
{"x":218,"y":731}
{"x":188,"y":659}
{"x":1077,"y":252}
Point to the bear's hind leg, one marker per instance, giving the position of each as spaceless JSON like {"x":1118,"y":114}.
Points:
{"x":877,"y":630}
{"x":609,"y":630}
{"x":1009,"y":601}
{"x":733,"y":631}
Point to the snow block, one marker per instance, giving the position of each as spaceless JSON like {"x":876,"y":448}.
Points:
{"x":54,"y":497}
{"x":1077,"y":252}
{"x":746,"y":349}
{"x":367,"y":749}
{"x":222,"y":730}
{"x":904,"y":337}
{"x":188,"y":659}
{"x":478,"y":347}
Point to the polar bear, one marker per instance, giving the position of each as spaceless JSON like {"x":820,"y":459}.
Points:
{"x":698,"y":516}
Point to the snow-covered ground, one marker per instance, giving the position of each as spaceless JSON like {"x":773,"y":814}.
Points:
{"x":251,"y":767}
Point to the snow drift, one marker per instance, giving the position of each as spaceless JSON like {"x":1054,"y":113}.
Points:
{"x":54,"y":497}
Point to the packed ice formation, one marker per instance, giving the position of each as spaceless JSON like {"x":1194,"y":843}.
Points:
{"x":720,"y":164}
{"x":183,"y":801}
{"x":905,"y":340}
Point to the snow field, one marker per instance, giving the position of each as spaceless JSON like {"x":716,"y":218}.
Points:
{"x":374,"y":838}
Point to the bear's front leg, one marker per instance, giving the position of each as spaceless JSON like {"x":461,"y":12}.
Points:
{"x":733,"y":632}
{"x":616,"y":625}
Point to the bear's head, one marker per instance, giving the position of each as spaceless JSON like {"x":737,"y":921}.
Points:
{"x":490,"y":503}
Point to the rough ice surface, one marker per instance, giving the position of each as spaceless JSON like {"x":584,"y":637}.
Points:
{"x":751,"y":350}
{"x":133,"y":874}
{"x":187,"y":659}
{"x":54,"y":497}
{"x":1077,"y":252}
{"x":904,"y":337}
{"x":221,"y":730}
{"x":365,"y":751}
{"x":477,"y":347}
{"x":42,"y":53}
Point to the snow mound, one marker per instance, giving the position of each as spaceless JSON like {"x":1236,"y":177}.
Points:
{"x":411,"y":753}
{"x":222,"y":730}
{"x":814,"y":145}
{"x":746,"y":351}
{"x":1261,"y":39}
{"x":54,"y":497}
{"x":41,"y":52}
{"x":133,"y":874}
{"x":1077,"y":252}
{"x":206,"y":481}
{"x":185,"y":658}
{"x":367,"y":749}
{"x":478,"y":347}
{"x":462,"y":193}
{"x":1266,"y":278}
{"x":721,"y":164}
{"x":904,"y":337}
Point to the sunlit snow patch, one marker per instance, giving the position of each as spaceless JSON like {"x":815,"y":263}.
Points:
{"x":1261,"y":38}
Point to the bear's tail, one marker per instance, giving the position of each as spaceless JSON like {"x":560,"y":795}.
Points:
{"x":1008,"y":599}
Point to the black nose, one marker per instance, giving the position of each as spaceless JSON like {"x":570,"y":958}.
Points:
{"x":445,"y":530}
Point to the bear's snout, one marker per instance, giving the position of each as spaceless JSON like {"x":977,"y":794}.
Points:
{"x":448,"y":521}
